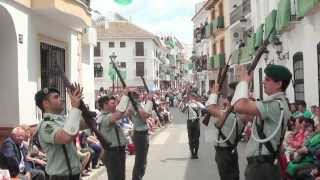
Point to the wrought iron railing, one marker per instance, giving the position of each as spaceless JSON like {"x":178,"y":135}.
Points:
{"x":242,"y":10}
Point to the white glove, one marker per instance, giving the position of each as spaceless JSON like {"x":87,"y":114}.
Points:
{"x":148,"y":107}
{"x":71,"y":125}
{"x":213,"y":99}
{"x":241,"y":92}
{"x":123,"y":104}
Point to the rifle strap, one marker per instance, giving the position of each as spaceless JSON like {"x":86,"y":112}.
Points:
{"x":117,"y":134}
{"x":67,"y":160}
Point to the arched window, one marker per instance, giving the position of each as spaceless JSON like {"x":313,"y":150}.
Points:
{"x":298,"y":81}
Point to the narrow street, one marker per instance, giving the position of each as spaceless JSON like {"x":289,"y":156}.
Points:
{"x":169,"y":156}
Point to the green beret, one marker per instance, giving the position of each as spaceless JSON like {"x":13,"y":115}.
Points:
{"x":278,"y":72}
{"x":42,"y":94}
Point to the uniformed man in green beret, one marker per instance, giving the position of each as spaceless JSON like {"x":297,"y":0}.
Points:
{"x":140,"y":134}
{"x":57,"y":133}
{"x":115,"y":155}
{"x":269,"y":125}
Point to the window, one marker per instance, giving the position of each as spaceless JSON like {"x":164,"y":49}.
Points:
{"x":122,"y":64}
{"x":139,"y":49}
{"x":298,"y":76}
{"x":98,"y":70}
{"x":97,"y":50}
{"x":122,"y":44}
{"x":111,"y":44}
{"x":139,"y":68}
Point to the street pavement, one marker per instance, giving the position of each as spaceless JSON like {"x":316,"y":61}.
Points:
{"x":169,"y":156}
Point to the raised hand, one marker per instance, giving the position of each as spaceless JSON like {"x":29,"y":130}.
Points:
{"x":75,"y":95}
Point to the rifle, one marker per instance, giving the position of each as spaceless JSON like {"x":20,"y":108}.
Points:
{"x":222,"y":74}
{"x":87,"y":115}
{"x":135,"y":107}
{"x":251,"y":68}
{"x":154,"y":105}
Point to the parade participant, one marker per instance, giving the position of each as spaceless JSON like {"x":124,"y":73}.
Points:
{"x":57,"y":133}
{"x":115,"y":155}
{"x":228,"y":135}
{"x":193,"y":110}
{"x":269,"y":125}
{"x":140,"y":134}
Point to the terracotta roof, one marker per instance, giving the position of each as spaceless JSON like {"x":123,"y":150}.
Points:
{"x":120,"y":29}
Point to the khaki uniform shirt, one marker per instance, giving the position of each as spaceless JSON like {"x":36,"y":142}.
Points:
{"x":108,"y":131}
{"x":226,"y":130}
{"x":57,"y":164}
{"x":270,"y":114}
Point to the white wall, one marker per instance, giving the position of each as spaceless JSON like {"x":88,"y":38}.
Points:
{"x":36,"y":29}
{"x":127,"y":55}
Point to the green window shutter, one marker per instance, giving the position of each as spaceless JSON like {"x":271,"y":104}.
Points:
{"x":190,"y":66}
{"x":220,"y":23}
{"x":244,"y":55}
{"x":214,"y":25}
{"x":111,"y":72}
{"x":283,"y":16}
{"x":270,"y":23}
{"x":250,"y":44}
{"x":211,"y":62}
{"x":259,"y":37}
{"x":235,"y":57}
{"x":208,"y":30}
{"x":304,"y":6}
{"x":219,"y":60}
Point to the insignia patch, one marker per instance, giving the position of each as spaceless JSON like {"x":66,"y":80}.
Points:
{"x":48,"y":128}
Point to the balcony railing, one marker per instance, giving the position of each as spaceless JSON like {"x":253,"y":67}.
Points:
{"x":238,"y":12}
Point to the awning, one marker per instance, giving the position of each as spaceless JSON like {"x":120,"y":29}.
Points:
{"x":283,"y":15}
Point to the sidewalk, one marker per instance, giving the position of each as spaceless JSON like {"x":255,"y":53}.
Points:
{"x":101,"y":172}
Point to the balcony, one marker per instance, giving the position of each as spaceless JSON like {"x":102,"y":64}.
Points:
{"x":242,"y":10}
{"x":71,"y":13}
{"x":217,"y":24}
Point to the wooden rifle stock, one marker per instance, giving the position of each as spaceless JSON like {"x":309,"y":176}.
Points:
{"x":222,"y":74}
{"x":87,"y":115}
{"x":154,"y":105}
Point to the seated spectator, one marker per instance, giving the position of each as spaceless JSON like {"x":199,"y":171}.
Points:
{"x":14,"y":154}
{"x":306,"y":153}
{"x":84,"y":156}
{"x":96,"y":148}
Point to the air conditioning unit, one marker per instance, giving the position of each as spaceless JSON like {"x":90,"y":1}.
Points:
{"x":89,"y":36}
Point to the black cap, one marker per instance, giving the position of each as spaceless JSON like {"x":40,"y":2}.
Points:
{"x":42,"y":94}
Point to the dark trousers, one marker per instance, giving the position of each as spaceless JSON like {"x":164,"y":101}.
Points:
{"x":115,"y":162}
{"x":96,"y":153}
{"x":193,"y":135}
{"x":227,"y":162}
{"x":141,"y":141}
{"x":262,"y":171}
{"x":73,"y":177}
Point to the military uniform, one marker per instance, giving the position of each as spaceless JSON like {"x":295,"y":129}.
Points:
{"x":141,"y":141}
{"x":115,"y":155}
{"x":226,"y":155}
{"x":193,"y":125}
{"x":268,"y":129}
{"x":58,"y":158}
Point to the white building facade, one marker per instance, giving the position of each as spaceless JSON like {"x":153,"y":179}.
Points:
{"x":297,"y":25}
{"x":35,"y":35}
{"x":136,"y":51}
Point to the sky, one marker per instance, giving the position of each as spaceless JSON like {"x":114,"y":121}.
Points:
{"x":157,"y":16}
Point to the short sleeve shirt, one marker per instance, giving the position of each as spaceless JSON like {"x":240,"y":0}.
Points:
{"x":57,"y":164}
{"x":270,"y":113}
{"x":108,"y":131}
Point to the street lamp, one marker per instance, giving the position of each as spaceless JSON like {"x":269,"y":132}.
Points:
{"x":113,"y":57}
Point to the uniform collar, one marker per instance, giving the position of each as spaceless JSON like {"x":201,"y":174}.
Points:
{"x":278,"y":95}
{"x":52,"y":116}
